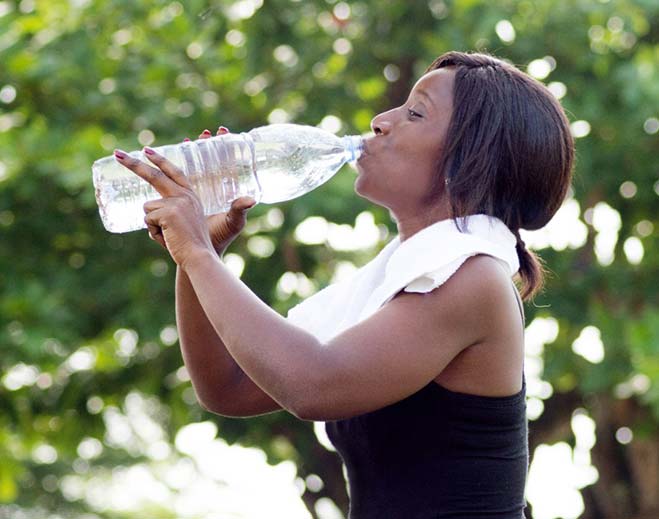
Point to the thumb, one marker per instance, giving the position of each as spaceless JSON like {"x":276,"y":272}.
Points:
{"x":237,"y":215}
{"x":243,"y":204}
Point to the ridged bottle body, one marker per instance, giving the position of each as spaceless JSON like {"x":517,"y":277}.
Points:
{"x":271,"y":164}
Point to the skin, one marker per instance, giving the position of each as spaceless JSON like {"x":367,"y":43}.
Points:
{"x":400,"y":161}
{"x":246,"y":359}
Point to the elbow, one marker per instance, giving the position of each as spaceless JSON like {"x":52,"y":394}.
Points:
{"x":310,"y":404}
{"x":317,"y":411}
{"x":314,"y":398}
{"x":303,"y":411}
{"x":306,"y":414}
{"x":313,"y":417}
{"x":214,"y":404}
{"x":301,"y":399}
{"x":221,"y":409}
{"x":209,"y":404}
{"x":298,"y":399}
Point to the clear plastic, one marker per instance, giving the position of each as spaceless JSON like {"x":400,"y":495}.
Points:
{"x":271,"y":164}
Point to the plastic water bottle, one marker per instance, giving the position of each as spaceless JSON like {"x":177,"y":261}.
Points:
{"x":271,"y":164}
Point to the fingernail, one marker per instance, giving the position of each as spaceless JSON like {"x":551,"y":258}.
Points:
{"x":149,"y":151}
{"x":119,"y":154}
{"x":223,"y":129}
{"x":206,"y":132}
{"x":186,"y":140}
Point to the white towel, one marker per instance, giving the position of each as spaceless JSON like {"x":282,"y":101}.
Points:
{"x":419,"y":264}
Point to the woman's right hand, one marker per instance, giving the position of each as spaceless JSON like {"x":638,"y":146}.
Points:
{"x":224,"y":227}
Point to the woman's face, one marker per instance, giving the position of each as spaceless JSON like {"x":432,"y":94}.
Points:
{"x":401,"y":159}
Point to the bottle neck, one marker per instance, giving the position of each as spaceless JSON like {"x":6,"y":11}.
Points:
{"x":354,"y":145}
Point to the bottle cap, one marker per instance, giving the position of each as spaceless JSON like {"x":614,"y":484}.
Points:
{"x":354,"y":145}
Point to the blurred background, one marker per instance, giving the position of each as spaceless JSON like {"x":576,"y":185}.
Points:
{"x":97,"y":415}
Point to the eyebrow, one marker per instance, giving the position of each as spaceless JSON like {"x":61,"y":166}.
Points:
{"x":427,"y":96}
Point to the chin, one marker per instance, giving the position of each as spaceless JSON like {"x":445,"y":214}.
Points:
{"x":362,"y":189}
{"x":359,"y":187}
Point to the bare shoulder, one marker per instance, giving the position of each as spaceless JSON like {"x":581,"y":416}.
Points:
{"x":482,"y":274}
{"x":408,"y":343}
{"x":492,"y":364}
{"x":476,"y":298}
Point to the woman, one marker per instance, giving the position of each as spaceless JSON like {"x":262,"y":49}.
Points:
{"x":416,"y":363}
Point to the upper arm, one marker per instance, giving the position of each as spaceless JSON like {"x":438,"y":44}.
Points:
{"x":406,"y":344}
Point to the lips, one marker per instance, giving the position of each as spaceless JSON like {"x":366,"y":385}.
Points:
{"x":365,"y":148}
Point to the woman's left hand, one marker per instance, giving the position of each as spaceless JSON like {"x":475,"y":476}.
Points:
{"x":177,"y":220}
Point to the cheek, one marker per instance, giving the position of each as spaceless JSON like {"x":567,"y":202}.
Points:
{"x":406,"y":167}
{"x":430,"y":161}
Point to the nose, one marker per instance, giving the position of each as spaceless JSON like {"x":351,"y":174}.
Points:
{"x":380,"y":125}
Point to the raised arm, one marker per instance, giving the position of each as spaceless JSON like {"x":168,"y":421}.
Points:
{"x":379,"y":361}
{"x":389,"y":356}
{"x":220,"y":384}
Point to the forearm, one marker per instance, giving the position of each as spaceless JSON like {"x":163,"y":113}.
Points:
{"x":278,"y":356}
{"x":212,"y":369}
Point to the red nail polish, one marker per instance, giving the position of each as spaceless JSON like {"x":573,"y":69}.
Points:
{"x":207,"y":132}
{"x":224,"y":129}
{"x":148,"y":151}
{"x":119,"y":154}
{"x":186,"y":140}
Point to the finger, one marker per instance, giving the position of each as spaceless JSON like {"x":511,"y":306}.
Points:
{"x":243,"y":203}
{"x":157,"y":178}
{"x":154,"y":230}
{"x":205,"y":134}
{"x":153,"y":222}
{"x":237,"y":215}
{"x":186,"y":140}
{"x":170,"y":170}
{"x":222,"y":130}
{"x":152,"y":205}
{"x":155,"y":233}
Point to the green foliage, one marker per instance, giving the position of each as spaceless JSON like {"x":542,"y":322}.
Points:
{"x":85,"y":317}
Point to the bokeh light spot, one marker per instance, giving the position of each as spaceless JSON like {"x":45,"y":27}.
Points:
{"x":644,"y":228}
{"x":539,"y":68}
{"x":342,"y":11}
{"x":633,"y":249}
{"x":391,"y":72}
{"x":628,"y":189}
{"x":558,"y":89}
{"x":7,"y":94}
{"x":146,"y":137}
{"x":505,"y":31}
{"x":589,"y":345}
{"x":342,"y":46}
{"x":651,"y":126}
{"x":624,"y":435}
{"x":580,"y":129}
{"x":235,"y":263}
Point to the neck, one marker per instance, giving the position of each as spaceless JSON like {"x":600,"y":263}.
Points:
{"x":411,"y":223}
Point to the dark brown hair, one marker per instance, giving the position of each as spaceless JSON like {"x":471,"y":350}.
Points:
{"x":508,"y":151}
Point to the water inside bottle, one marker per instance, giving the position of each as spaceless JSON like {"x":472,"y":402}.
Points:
{"x":292,"y":167}
{"x":120,"y":197}
{"x":270,"y":164}
{"x":121,"y":194}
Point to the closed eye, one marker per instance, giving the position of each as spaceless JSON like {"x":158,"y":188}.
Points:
{"x":412,"y":113}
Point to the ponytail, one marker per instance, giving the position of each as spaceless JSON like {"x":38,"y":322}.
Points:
{"x":531,"y":271}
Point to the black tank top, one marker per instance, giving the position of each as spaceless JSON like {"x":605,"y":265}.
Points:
{"x":436,"y":454}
